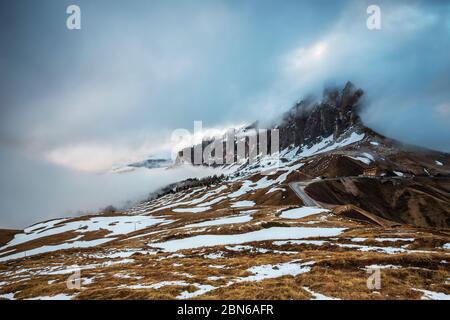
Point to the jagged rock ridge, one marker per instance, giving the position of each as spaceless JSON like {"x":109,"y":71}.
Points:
{"x":305,"y":123}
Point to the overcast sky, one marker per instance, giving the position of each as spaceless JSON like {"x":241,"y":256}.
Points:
{"x":76,"y":102}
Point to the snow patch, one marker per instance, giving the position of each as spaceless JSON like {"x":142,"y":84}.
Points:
{"x":274,"y":233}
{"x":244,"y":203}
{"x":222,"y":221}
{"x":318,"y":296}
{"x":312,"y":242}
{"x":269,"y":271}
{"x":432,"y":295}
{"x":382,"y":266}
{"x":191,"y":210}
{"x":201,"y":289}
{"x":116,"y":225}
{"x":60,"y":296}
{"x":301,"y":212}
{"x":63,"y":246}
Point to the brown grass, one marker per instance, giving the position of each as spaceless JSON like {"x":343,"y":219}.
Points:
{"x":337,"y":272}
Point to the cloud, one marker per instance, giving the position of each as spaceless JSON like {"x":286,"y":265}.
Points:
{"x":96,"y":157}
{"x":401,"y":68}
{"x":349,"y":49}
{"x":33,"y":190}
{"x":129,"y":70}
{"x":103,"y":156}
{"x":408,"y":17}
{"x":443,"y":111}
{"x":310,"y":57}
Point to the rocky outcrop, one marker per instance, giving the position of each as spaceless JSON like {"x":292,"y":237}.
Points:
{"x":307,"y":122}
{"x":304,"y":124}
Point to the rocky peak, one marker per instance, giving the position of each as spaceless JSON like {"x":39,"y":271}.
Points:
{"x":307,"y":122}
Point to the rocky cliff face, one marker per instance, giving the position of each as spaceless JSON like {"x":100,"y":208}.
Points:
{"x":306,"y":122}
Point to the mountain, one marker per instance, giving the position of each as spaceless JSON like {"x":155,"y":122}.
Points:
{"x":308,"y":221}
{"x":307,"y":122}
{"x":411,"y":187}
{"x":151,"y":163}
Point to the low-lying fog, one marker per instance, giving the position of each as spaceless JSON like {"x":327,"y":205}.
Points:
{"x":32,"y":191}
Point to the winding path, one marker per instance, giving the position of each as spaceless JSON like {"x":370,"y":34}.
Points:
{"x":298,"y":188}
